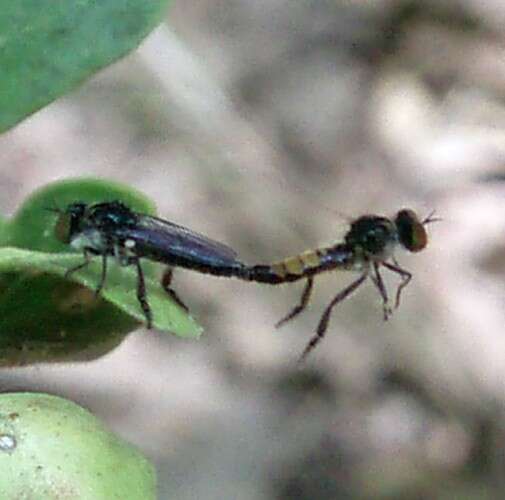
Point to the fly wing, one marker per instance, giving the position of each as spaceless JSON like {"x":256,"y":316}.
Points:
{"x":168,"y":241}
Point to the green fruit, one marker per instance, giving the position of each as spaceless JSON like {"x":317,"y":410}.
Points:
{"x":50,"y":449}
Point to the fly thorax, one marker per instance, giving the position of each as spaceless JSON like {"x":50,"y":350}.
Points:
{"x":380,"y":249}
{"x":359,"y":264}
{"x":90,"y":238}
{"x":372,"y":238}
{"x":388,"y":250}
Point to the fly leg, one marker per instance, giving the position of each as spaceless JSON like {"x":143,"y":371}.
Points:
{"x":141,"y":292}
{"x":404,"y":275}
{"x":124,"y":260}
{"x":87,"y":260}
{"x":325,"y":318}
{"x":379,"y":283}
{"x":166,"y":280}
{"x":304,"y":300}
{"x":102,"y":276}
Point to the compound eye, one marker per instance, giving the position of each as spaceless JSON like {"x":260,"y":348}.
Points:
{"x":411,"y":231}
{"x":62,"y":228}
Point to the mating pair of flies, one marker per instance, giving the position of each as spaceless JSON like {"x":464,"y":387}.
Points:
{"x":111,"y":229}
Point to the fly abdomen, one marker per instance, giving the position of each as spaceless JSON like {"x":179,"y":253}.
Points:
{"x":265,"y":274}
{"x":225,"y":269}
{"x":207,"y":265}
{"x":301,"y":266}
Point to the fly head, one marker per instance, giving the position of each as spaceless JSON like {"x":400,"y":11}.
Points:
{"x":70,"y":222}
{"x":411,"y":231}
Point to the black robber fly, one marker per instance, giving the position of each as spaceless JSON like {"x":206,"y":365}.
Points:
{"x":367,"y":246}
{"x":111,"y":229}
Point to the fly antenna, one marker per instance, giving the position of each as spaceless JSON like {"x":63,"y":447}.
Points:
{"x":431,"y":218}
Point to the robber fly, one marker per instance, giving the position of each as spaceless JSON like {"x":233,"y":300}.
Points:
{"x":367,"y":246}
{"x":111,"y":229}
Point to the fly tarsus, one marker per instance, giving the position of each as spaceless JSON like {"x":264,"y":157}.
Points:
{"x":165,"y":283}
{"x":72,"y":270}
{"x":304,"y":300}
{"x":325,"y":318}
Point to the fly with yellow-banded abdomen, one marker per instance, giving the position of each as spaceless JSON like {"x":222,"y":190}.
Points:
{"x":369,"y":245}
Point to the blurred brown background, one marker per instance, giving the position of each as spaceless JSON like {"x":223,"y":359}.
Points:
{"x":259,"y":124}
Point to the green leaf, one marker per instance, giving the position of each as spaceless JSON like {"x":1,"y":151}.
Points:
{"x":51,"y":448}
{"x":45,"y":316}
{"x":48,"y":47}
